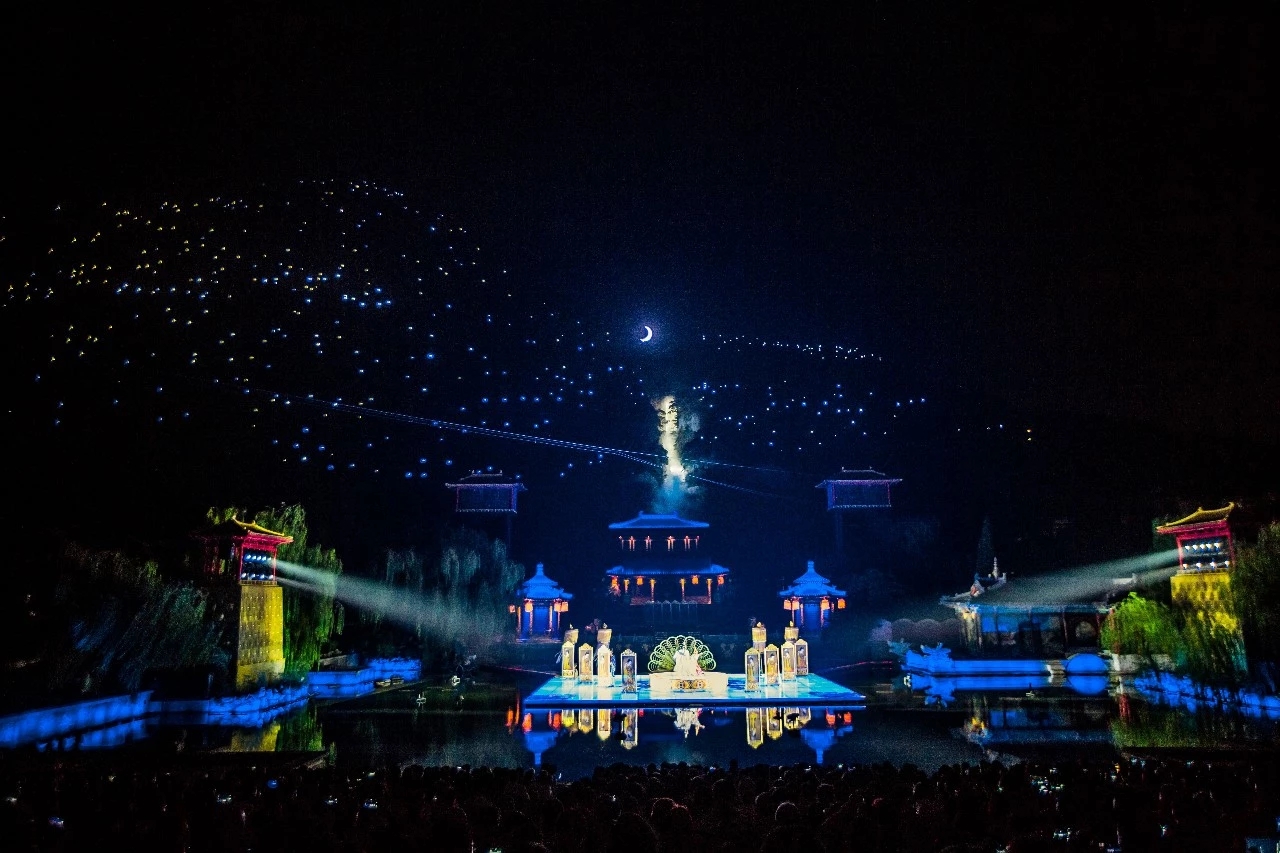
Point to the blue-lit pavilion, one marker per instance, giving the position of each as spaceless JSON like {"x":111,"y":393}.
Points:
{"x":539,"y":603}
{"x":663,"y":566}
{"x":810,"y":600}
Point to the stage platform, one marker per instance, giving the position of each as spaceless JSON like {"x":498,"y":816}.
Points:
{"x":808,"y":691}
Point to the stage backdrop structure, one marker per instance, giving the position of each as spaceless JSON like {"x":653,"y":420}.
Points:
{"x":540,"y":601}
{"x":1031,"y":627}
{"x":853,"y":492}
{"x":488,"y":495}
{"x":811,"y":599}
{"x":664,"y":568}
{"x":1206,"y":553}
{"x":239,"y":567}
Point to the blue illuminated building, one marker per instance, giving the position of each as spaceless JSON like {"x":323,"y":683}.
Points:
{"x":664,"y":570}
{"x":810,"y":599}
{"x":539,"y":603}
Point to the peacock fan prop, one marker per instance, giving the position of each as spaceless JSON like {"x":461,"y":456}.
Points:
{"x":663,"y":657}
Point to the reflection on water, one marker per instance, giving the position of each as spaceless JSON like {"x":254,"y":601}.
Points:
{"x":925,"y":721}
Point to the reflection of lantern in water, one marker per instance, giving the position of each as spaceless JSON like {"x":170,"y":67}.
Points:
{"x":586,"y":672}
{"x":773,"y":723}
{"x":586,"y":720}
{"x":802,"y":656}
{"x":604,"y":723}
{"x":628,"y":671}
{"x":806,"y":714}
{"x":771,"y":675}
{"x":752,"y":668}
{"x":755,"y":727}
{"x":569,"y":719}
{"x":630,"y":728}
{"x":568,"y":654}
{"x":791,"y":719}
{"x":527,"y":723}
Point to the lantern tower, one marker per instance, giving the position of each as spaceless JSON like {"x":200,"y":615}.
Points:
{"x":239,"y":565}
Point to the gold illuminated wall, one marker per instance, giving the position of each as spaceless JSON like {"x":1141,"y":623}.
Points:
{"x":1206,"y":593}
{"x":260,"y":643}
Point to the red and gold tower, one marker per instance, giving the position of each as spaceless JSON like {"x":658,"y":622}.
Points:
{"x":239,"y":561}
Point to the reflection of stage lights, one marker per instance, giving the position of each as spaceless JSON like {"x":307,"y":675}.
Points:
{"x":604,"y":723}
{"x":630,"y":729}
{"x":773,"y":723}
{"x":687,"y":719}
{"x":586,"y":720}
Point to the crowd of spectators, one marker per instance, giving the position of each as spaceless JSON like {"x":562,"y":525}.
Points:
{"x":1129,"y":805}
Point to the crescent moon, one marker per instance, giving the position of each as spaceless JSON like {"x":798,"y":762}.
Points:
{"x":648,"y":334}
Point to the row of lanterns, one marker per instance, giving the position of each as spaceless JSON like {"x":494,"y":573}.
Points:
{"x":766,"y":665}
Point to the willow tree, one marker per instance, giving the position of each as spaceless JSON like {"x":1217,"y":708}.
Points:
{"x":123,"y":620}
{"x":1255,"y":584}
{"x":312,"y":617}
{"x":1139,"y":626}
{"x":471,"y":586}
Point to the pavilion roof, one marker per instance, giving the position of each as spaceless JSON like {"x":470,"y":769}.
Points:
{"x":235,"y":528}
{"x":860,"y":475}
{"x":810,"y":584}
{"x":1200,"y":516}
{"x":658,"y":521}
{"x":663,"y":566}
{"x":487,"y":478}
{"x":541,"y":587}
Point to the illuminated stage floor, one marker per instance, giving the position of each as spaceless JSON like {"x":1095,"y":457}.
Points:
{"x":807,"y":691}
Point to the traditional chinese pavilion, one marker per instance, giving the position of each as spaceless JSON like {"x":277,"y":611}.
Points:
{"x":488,"y":494}
{"x":663,"y":566}
{"x":856,"y":491}
{"x":1033,"y":620}
{"x":1206,"y":553}
{"x":539,"y":603}
{"x":811,"y":599}
{"x":239,"y":564}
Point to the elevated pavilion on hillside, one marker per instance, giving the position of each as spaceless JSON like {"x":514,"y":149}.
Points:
{"x":488,"y":494}
{"x":855,"y":491}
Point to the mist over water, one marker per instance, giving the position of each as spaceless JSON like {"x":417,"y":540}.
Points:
{"x":443,"y":617}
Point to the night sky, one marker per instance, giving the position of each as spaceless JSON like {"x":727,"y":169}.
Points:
{"x":1057,"y":222}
